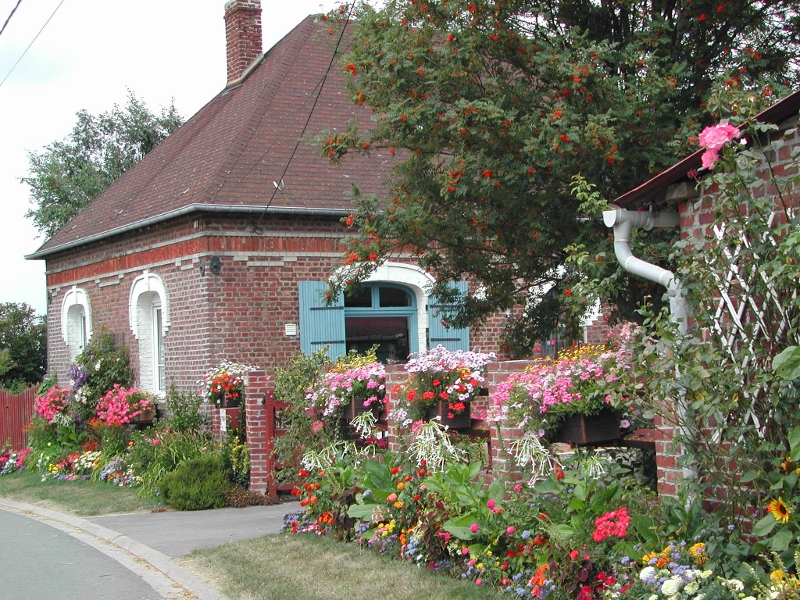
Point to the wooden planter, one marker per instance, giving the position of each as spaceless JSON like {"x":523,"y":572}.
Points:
{"x":580,"y":430}
{"x":356,"y":407}
{"x":145,"y":416}
{"x":463,"y":420}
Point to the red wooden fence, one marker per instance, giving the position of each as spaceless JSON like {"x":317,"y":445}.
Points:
{"x":16,"y":411}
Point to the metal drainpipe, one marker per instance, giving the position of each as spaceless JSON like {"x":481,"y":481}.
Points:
{"x":623,"y":221}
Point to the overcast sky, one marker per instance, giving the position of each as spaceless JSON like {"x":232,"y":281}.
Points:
{"x":87,"y":56}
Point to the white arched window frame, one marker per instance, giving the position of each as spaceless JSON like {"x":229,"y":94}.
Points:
{"x":148,"y":311}
{"x":417,"y":280}
{"x":76,"y":320}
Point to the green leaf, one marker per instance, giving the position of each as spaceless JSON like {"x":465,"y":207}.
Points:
{"x":764,"y":526}
{"x":787,"y":364}
{"x":361,"y":511}
{"x":749,"y":476}
{"x":781,"y":540}
{"x":794,"y":442}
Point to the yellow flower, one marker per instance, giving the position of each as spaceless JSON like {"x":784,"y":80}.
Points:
{"x":697,"y":552}
{"x":779,"y":510}
{"x":777,"y":576}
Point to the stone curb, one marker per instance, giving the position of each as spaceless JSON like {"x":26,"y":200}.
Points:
{"x":121,"y":544}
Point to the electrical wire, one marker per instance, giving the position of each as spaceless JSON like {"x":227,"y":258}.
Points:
{"x":279,"y":187}
{"x":31,"y":44}
{"x":9,"y":16}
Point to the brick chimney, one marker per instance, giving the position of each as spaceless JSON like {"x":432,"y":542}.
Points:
{"x":243,"y":35}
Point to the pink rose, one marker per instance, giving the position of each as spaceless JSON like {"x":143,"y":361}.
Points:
{"x":717,"y":136}
{"x":392,"y":497}
{"x":474,"y":528}
{"x":710,"y":158}
{"x":510,"y":530}
{"x":490,"y":504}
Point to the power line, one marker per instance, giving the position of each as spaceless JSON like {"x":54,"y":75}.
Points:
{"x":279,"y":184}
{"x":9,"y":16}
{"x":33,"y":40}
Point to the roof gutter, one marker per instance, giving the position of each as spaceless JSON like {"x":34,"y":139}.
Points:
{"x":216,"y":208}
{"x":623,"y":222}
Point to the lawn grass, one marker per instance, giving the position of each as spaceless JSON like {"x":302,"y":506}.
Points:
{"x":80,"y":498}
{"x":288,"y":567}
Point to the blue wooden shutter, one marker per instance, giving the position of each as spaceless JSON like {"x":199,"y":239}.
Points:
{"x":438,"y":334}
{"x":320,"y":325}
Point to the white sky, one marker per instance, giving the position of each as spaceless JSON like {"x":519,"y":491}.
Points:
{"x":87,"y":57}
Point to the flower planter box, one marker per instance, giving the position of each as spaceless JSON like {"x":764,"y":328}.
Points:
{"x":582,"y":430}
{"x":463,"y":420}
{"x":143,"y":417}
{"x":356,"y":407}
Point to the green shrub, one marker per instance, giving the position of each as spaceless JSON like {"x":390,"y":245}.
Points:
{"x":197,"y":484}
{"x":156,"y":453}
{"x":184,"y":412}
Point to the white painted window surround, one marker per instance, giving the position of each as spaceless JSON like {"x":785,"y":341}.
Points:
{"x":76,"y":320}
{"x":417,"y":280}
{"x":148,"y":300}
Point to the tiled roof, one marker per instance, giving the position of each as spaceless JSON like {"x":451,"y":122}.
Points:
{"x":653,"y":189}
{"x":227,"y":156}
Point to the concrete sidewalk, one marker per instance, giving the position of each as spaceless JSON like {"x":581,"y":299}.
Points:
{"x":156,"y":538}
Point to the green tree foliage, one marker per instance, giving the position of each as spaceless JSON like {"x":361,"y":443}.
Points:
{"x":492,"y":107}
{"x":69,"y":174}
{"x":23,"y":346}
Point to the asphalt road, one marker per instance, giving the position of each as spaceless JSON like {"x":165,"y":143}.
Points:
{"x":41,"y":562}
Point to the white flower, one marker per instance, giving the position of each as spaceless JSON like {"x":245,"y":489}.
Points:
{"x":691,"y":587}
{"x":671,"y":587}
{"x":734,"y":584}
{"x":653,"y":597}
{"x":647,"y":573}
{"x":706,"y":574}
{"x":97,"y":366}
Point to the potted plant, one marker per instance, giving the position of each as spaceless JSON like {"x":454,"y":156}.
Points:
{"x":353,"y":385}
{"x":223,"y":386}
{"x":120,"y":406}
{"x":577,"y":398}
{"x":442,"y":383}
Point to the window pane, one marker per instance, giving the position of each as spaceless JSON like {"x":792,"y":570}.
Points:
{"x":360,"y":298}
{"x":391,"y":296}
{"x":390,"y":334}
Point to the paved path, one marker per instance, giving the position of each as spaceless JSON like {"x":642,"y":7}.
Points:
{"x":51,"y":555}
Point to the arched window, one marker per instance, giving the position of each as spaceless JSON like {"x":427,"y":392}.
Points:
{"x":149,"y":321}
{"x":392,"y":302}
{"x":76,"y":320}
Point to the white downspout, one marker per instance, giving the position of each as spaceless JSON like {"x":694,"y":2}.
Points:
{"x":623,"y":221}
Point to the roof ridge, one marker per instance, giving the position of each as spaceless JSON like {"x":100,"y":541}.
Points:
{"x":265,"y":99}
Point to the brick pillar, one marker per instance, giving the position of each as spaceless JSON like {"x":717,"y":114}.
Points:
{"x":257,"y":386}
{"x":667,"y":452}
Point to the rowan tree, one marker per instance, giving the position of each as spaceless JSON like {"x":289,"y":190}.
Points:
{"x":492,"y":107}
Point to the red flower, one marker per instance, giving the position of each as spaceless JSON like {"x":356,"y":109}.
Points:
{"x":564,"y":138}
{"x":702,"y":18}
{"x":352,"y":68}
{"x":487,"y":173}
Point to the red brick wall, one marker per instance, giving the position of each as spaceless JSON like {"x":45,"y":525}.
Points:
{"x":238,"y":314}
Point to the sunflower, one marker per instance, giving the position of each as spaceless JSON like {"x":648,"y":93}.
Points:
{"x":779,"y":510}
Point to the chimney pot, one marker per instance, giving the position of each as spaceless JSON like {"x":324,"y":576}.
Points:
{"x":243,"y":35}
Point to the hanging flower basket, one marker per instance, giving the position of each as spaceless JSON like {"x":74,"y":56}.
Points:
{"x":581,"y":430}
{"x":453,"y":420}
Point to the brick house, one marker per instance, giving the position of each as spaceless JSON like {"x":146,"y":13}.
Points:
{"x":674,"y":190}
{"x":217,"y":244}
